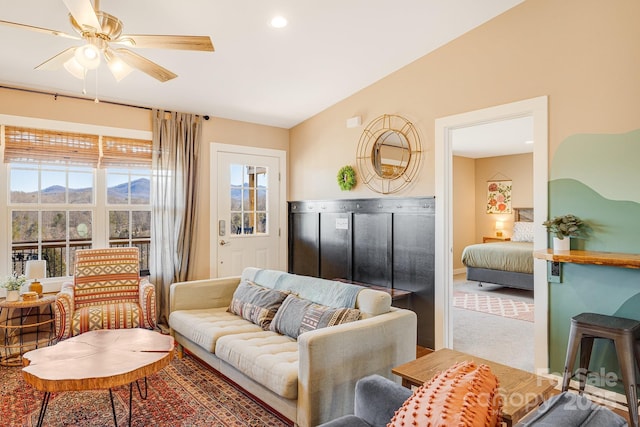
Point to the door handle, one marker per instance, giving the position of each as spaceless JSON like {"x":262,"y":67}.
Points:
{"x":222,"y":243}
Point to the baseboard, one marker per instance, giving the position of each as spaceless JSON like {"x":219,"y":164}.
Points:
{"x":462,"y":270}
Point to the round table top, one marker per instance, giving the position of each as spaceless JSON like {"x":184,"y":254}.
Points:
{"x":98,"y":360}
{"x":41,"y":301}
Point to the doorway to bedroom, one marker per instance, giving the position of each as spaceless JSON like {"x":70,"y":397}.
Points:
{"x":497,"y":322}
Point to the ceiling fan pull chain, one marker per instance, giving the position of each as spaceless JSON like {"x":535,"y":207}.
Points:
{"x":96,"y":100}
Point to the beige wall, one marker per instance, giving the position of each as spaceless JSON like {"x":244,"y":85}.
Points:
{"x":582,"y":54}
{"x":20,"y":103}
{"x":519,"y":169}
{"x":464,"y":206}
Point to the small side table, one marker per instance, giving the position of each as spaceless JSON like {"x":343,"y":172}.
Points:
{"x":24,"y":326}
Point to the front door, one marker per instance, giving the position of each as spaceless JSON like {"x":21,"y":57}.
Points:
{"x":248,"y":229}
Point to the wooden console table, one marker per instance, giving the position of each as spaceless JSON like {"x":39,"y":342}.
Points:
{"x":521,"y":391}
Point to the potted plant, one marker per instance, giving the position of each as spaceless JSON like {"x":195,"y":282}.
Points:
{"x":12,"y":284}
{"x":565,"y":226}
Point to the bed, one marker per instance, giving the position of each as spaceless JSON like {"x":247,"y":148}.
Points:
{"x":507,"y":263}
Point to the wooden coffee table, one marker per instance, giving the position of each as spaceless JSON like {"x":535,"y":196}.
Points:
{"x":98,"y":360}
{"x":521,"y":391}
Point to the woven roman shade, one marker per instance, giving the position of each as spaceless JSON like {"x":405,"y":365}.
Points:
{"x":125,"y":152}
{"x":57,"y":147}
{"x":41,"y":145}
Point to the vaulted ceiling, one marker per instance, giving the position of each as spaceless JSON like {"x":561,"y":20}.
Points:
{"x":329,"y":50}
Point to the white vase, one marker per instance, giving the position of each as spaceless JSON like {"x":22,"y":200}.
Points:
{"x":13,"y":295}
{"x":561,"y":245}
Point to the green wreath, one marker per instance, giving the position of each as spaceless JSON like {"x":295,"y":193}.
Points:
{"x":346,"y":178}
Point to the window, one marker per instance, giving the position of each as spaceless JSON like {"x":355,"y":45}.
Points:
{"x":69,"y":191}
{"x":248,"y":194}
{"x":51,"y":214}
{"x":129,"y":210}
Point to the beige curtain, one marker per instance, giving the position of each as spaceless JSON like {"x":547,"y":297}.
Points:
{"x":176,"y":144}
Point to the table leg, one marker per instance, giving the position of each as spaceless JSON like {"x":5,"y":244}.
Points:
{"x":130,"y":400}
{"x":43,"y":407}
{"x":146,"y":389}
{"x":113,"y":410}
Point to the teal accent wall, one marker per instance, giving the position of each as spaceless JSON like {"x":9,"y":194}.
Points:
{"x":597,"y":178}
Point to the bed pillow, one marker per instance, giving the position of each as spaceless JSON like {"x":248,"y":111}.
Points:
{"x":522,"y":232}
{"x":297,"y":315}
{"x":255,"y":303}
{"x":466,"y":394}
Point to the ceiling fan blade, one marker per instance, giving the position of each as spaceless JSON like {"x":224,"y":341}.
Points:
{"x":202,"y":43}
{"x":57,"y":61}
{"x":82,"y":11}
{"x":39,"y":29}
{"x":143,"y":64}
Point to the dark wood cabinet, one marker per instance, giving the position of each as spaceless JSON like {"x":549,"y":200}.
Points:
{"x":387,"y":242}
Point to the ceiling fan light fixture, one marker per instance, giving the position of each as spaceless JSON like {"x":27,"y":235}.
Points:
{"x":88,"y":56}
{"x":117,"y":66}
{"x":74,"y":68}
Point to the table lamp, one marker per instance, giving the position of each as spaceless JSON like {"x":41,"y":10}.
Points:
{"x":499,"y":228}
{"x":36,"y":270}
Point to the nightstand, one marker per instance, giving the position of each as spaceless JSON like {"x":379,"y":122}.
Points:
{"x":487,"y":239}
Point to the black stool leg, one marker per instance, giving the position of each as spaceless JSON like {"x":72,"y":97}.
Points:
{"x":625,"y":348}
{"x":572,"y":350}
{"x":586,"y":345}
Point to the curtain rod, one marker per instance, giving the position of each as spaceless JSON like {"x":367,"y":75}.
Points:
{"x":56,"y":95}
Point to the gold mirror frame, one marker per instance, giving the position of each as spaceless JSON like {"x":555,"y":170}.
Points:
{"x":389,"y":154}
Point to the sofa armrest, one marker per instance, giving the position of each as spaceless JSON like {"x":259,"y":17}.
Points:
{"x":199,"y":294}
{"x":332,"y":360}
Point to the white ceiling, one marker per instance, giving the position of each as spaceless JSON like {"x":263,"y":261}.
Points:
{"x":501,"y":138}
{"x":330,"y":50}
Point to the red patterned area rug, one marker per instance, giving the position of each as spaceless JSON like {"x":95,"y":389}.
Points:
{"x":185,"y":393}
{"x":499,"y":306}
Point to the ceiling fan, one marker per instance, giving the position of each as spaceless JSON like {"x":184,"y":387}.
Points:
{"x":102,"y":34}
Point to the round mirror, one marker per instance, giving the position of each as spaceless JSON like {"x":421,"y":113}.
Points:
{"x":390,"y":154}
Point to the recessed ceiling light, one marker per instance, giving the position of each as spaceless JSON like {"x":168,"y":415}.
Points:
{"x":279,"y":22}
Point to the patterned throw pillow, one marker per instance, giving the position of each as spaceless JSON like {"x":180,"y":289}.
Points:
{"x":464,"y":395}
{"x":256,"y":303}
{"x":522,"y":232}
{"x":298,"y":315}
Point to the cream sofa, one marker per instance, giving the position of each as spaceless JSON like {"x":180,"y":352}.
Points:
{"x":311,"y":379}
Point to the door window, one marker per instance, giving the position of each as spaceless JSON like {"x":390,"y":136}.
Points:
{"x":248,"y":199}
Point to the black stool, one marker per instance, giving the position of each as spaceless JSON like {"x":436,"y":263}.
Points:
{"x":624,"y":333}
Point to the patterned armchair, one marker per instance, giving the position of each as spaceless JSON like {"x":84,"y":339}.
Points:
{"x":106,"y":293}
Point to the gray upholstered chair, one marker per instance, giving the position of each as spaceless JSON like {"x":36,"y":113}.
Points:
{"x":377,"y":399}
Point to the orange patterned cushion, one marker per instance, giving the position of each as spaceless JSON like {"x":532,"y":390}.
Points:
{"x":106,"y":316}
{"x":465,"y":395}
{"x":105,"y":276}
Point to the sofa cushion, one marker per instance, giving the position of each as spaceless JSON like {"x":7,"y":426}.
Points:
{"x":297,"y":315}
{"x":120,"y":315}
{"x":466,"y":394}
{"x":256,"y":303}
{"x":268,"y":358}
{"x":205,"y":326}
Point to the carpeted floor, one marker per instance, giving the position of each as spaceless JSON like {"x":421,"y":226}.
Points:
{"x":494,"y":337}
{"x":185,"y":393}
